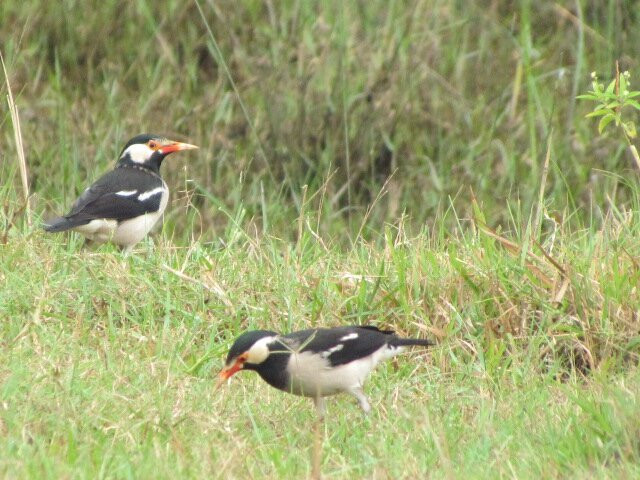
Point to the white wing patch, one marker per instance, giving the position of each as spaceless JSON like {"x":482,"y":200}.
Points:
{"x":350,"y":336}
{"x":126,"y":193}
{"x":144,"y":196}
{"x":331,"y":350}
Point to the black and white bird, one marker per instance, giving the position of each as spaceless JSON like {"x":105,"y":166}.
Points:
{"x":317,"y":362}
{"x":125,"y":203}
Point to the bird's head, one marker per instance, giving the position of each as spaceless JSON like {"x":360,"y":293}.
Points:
{"x":148,"y":150}
{"x":248,"y":351}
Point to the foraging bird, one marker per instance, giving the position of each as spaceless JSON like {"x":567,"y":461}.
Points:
{"x":125,"y":203}
{"x":317,"y":362}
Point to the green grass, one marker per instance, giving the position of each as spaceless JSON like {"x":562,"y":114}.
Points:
{"x":109,"y":362}
{"x":387,"y":168}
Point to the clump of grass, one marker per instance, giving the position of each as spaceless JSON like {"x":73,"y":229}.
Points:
{"x":110,"y":368}
{"x":22,"y":162}
{"x":425,"y":97}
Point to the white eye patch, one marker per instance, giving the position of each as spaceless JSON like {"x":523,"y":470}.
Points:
{"x":259,"y":351}
{"x":139,"y":153}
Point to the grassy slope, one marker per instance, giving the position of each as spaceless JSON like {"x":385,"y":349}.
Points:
{"x":107,"y":363}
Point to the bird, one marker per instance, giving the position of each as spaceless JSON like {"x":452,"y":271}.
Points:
{"x":124,"y":204}
{"x":316,"y":362}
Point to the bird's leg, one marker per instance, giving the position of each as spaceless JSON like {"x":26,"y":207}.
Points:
{"x":89,"y":244}
{"x":321,"y":405}
{"x":362,"y":398}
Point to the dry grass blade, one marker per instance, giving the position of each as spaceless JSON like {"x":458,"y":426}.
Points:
{"x":633,"y":260}
{"x":565,"y":14}
{"x":550,"y":259}
{"x":212,"y":286}
{"x":381,"y":192}
{"x":516,"y":249}
{"x":559,"y":295}
{"x":17,"y":133}
{"x":508,"y":244}
{"x":543,"y":184}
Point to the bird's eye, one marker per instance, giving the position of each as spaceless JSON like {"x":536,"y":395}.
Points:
{"x":152,"y":145}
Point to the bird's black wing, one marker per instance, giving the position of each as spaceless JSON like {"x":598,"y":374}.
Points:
{"x":339,"y":345}
{"x":376,"y":329}
{"x":101,"y":200}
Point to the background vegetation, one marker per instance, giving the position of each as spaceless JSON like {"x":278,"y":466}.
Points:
{"x":422,"y":165}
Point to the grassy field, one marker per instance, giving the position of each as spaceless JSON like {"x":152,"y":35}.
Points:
{"x":423,"y":166}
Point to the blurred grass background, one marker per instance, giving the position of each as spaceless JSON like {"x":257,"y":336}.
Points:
{"x":433,"y":100}
{"x":361,"y":162}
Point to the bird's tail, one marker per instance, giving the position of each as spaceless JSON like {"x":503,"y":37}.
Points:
{"x":61,"y":224}
{"x":410,"y":342}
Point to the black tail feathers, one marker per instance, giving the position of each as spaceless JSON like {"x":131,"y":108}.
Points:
{"x":410,"y":342}
{"x":61,"y":224}
{"x":395,"y":341}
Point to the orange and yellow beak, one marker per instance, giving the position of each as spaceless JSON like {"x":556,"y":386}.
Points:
{"x":228,"y":372}
{"x":171,"y":146}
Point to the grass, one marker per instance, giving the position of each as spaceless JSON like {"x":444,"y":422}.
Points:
{"x":109,"y":362}
{"x":418,"y":166}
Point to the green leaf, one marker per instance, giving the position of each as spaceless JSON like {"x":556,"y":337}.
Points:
{"x":611,"y":87}
{"x":630,"y":129}
{"x":604,"y":121}
{"x":633,"y":103}
{"x":598,"y":113}
{"x":633,"y":343}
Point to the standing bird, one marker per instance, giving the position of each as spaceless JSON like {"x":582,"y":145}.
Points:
{"x":316,"y":362}
{"x":125,"y":203}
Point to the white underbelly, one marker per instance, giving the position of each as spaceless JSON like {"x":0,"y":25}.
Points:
{"x":311,"y":375}
{"x":127,"y":232}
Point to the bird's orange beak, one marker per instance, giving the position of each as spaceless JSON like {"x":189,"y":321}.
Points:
{"x":228,"y":372}
{"x":174,"y":147}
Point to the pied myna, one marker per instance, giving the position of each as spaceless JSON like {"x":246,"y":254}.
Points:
{"x":316,"y":362}
{"x":125,"y":203}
